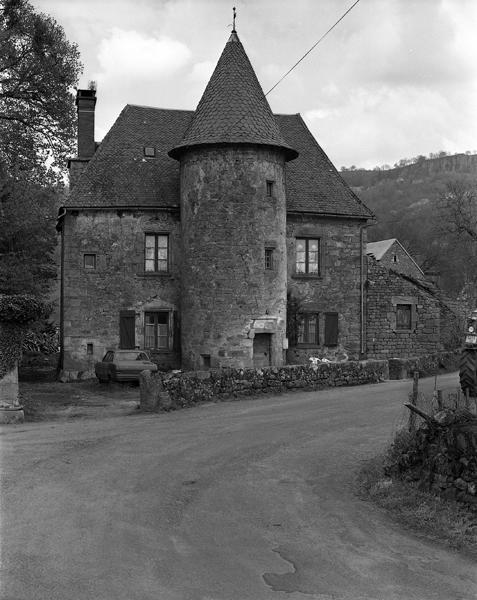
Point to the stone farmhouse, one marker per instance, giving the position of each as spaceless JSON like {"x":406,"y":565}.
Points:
{"x":190,"y":233}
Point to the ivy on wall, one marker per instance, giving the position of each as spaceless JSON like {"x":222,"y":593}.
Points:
{"x":16,"y":312}
{"x":293,"y":318}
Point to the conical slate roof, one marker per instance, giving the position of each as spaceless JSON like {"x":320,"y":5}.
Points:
{"x":233,"y":108}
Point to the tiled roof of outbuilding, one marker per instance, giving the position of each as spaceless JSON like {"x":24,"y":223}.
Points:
{"x":233,"y":108}
{"x":120,"y":175}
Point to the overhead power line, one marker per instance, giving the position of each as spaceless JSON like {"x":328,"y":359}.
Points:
{"x":313,"y":47}
{"x":299,"y":61}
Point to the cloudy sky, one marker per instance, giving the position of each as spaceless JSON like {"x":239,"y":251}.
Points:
{"x":396,"y":78}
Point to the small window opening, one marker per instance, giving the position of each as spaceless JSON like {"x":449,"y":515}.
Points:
{"x":395,"y":259}
{"x":205,"y":361}
{"x":89,"y":349}
{"x":149,"y":151}
{"x":270,"y":185}
{"x":89,"y":261}
{"x":269,"y":259}
{"x":404,"y":316}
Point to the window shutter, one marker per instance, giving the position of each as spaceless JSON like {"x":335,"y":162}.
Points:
{"x":331,"y":329}
{"x":176,"y":336}
{"x":127,"y":329}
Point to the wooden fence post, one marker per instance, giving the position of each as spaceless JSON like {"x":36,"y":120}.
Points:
{"x":415,"y":390}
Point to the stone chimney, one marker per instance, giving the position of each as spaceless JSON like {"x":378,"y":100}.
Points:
{"x":86,"y":101}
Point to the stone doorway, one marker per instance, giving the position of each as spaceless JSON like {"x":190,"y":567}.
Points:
{"x":262,"y":346}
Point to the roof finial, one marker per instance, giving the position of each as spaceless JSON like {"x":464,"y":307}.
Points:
{"x":233,"y":26}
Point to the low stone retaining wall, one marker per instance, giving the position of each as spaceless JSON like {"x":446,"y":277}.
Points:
{"x":430,"y":364}
{"x":442,"y":456}
{"x":169,"y":391}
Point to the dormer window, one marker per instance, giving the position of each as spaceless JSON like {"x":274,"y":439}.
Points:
{"x":149,"y":151}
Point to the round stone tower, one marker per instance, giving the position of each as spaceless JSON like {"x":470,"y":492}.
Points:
{"x":233,"y":220}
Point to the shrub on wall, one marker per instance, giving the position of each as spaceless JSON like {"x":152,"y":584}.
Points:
{"x":16,"y":312}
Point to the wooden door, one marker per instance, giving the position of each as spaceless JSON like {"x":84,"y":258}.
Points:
{"x":127,"y":329}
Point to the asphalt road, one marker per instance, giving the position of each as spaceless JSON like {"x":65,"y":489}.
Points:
{"x":242,"y":500}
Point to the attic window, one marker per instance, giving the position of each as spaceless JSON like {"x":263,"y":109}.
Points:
{"x":149,"y":151}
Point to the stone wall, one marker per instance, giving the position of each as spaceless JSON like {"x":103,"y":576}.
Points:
{"x":177,"y":390}
{"x":93,"y":298}
{"x":429,"y":364}
{"x":337,"y":288}
{"x":398,"y":259}
{"x":441,"y":455}
{"x":386,"y":289}
{"x":226,"y":227}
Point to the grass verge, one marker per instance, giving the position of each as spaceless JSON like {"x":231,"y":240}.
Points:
{"x":426,"y":513}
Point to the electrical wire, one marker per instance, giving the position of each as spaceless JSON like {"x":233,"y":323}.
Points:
{"x":313,"y":47}
{"x":299,"y":61}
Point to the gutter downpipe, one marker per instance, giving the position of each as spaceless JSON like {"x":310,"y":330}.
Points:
{"x":362,"y":319}
{"x":60,"y":229}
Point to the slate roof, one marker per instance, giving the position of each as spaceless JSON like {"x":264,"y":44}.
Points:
{"x":233,"y":108}
{"x":119,"y":175}
{"x":313,"y":184}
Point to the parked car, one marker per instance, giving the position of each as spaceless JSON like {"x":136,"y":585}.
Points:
{"x":123,"y":365}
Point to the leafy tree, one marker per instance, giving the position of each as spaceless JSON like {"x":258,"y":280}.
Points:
{"x":38,"y":69}
{"x":458,"y":207}
{"x":27,"y":237}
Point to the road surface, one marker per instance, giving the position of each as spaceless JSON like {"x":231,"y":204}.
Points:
{"x":234,"y":501}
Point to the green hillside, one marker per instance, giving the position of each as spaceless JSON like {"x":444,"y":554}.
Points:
{"x":409,"y":204}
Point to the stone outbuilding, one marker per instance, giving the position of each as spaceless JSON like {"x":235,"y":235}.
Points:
{"x":392,"y":255}
{"x":407,"y":317}
{"x":193,"y":234}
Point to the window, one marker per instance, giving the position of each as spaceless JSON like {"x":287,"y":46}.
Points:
{"x":308,"y":256}
{"x":269,"y":259}
{"x":89,"y":261}
{"x":89,"y":349}
{"x":270,"y":185}
{"x":108,"y":357}
{"x":157,"y":330}
{"x":156,"y":252}
{"x":308,"y":329}
{"x":404,"y":316}
{"x":331,"y":329}
{"x":149,"y":151}
{"x":205,"y":361}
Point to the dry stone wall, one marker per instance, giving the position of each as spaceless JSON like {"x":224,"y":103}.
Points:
{"x":177,"y":390}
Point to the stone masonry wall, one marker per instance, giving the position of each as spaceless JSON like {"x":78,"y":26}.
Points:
{"x":386,"y":288}
{"x":337,"y":289}
{"x":403,"y":264}
{"x":227,"y":221}
{"x":93,"y":298}
{"x":178,"y":390}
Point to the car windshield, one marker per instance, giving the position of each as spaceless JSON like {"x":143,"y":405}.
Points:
{"x":131,"y":356}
